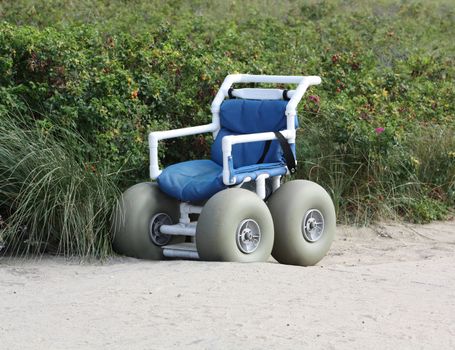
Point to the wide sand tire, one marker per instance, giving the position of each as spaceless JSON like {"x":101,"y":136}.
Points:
{"x":305,"y":221}
{"x":235,"y":225}
{"x":138,"y":207}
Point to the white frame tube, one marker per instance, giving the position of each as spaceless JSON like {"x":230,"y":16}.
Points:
{"x":261,"y":94}
{"x":178,"y":230}
{"x":180,"y":253}
{"x":260,"y":185}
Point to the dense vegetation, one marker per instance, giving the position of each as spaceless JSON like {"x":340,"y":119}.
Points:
{"x":87,"y":80}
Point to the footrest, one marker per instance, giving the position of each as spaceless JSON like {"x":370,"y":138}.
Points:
{"x":185,"y":250}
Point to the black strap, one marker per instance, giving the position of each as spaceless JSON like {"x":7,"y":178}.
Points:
{"x":285,"y":95}
{"x":230,"y":93}
{"x":264,"y":153}
{"x":287,"y":151}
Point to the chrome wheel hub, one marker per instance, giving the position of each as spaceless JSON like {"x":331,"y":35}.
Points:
{"x":248,"y":236}
{"x":313,"y":225}
{"x":156,"y":236}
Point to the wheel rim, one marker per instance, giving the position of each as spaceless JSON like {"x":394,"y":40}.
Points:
{"x":156,"y":236}
{"x":313,"y":225}
{"x":248,"y":236}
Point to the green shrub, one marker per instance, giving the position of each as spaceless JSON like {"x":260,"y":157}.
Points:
{"x":116,"y":72}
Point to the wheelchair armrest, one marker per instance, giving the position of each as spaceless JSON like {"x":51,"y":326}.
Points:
{"x":230,"y":140}
{"x":156,"y":136}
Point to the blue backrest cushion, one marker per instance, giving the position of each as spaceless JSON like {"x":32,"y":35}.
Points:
{"x":247,"y":117}
{"x":252,"y":116}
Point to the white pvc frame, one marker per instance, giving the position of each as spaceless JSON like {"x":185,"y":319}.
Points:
{"x":303,"y":83}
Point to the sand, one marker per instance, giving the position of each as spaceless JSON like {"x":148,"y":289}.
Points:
{"x":390,"y":286}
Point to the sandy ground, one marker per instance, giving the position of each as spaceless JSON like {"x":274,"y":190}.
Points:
{"x":390,"y":286}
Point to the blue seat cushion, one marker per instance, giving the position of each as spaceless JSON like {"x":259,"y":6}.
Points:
{"x":192,"y":181}
{"x":198,"y":180}
{"x":253,"y":171}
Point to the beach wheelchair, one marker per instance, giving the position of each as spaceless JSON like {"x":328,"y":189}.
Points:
{"x":234,"y":206}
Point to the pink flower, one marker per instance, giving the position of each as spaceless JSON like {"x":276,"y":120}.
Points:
{"x":379,"y":130}
{"x":314,"y":98}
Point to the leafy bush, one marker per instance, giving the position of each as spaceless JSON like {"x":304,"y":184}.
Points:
{"x":378,"y":132}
